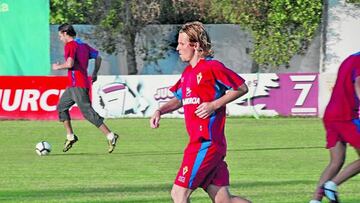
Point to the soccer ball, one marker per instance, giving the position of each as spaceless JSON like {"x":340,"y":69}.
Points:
{"x":43,"y":148}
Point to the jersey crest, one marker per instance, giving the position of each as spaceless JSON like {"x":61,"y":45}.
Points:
{"x":198,"y":77}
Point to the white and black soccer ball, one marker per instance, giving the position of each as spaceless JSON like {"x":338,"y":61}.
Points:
{"x":43,"y":148}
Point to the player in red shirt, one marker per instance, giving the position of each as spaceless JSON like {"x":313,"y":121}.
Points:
{"x":203,"y":90}
{"x":342,"y":125}
{"x":77,"y":55}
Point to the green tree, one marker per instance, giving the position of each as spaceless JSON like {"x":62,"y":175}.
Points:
{"x":281,"y":28}
{"x":121,"y":21}
{"x":72,"y":11}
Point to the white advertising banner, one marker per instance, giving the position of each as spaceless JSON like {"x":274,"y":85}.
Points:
{"x":269,"y":95}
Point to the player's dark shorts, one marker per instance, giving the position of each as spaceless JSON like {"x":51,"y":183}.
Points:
{"x":203,"y":168}
{"x":342,"y":131}
{"x":80,"y":96}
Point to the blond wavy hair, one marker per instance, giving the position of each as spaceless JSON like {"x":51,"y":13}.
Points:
{"x":197,"y":33}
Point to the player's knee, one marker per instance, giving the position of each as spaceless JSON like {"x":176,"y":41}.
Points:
{"x":93,"y":118}
{"x":88,"y":117}
{"x":237,"y":199}
{"x":217,"y":200}
{"x":221,"y":197}
{"x":60,"y":108}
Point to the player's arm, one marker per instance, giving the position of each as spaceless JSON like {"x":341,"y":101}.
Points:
{"x":205,"y":109}
{"x":69,"y":63}
{"x":98,"y":60}
{"x":169,"y":106}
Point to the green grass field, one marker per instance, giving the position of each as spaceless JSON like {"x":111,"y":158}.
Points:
{"x":271,"y":160}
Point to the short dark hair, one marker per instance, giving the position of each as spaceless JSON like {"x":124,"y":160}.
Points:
{"x":69,"y":29}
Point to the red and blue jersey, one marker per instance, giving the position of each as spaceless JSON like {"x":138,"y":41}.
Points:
{"x":81,"y":53}
{"x":344,"y":103}
{"x":206,"y":82}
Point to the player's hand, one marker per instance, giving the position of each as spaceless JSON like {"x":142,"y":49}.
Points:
{"x":56,"y":66}
{"x":93,"y":78}
{"x":205,"y":109}
{"x":155,"y":120}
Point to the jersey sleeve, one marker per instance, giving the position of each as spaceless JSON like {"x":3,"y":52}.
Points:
{"x":356,"y":65}
{"x":226,"y":77}
{"x":176,"y":90}
{"x":70,"y":50}
{"x":93,"y":53}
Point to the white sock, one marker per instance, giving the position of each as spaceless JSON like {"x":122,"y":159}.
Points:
{"x":110,"y":136}
{"x":330,"y":185}
{"x":314,"y":201}
{"x":70,"y":136}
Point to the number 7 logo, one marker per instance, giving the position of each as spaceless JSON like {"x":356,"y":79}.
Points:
{"x":305,"y":90}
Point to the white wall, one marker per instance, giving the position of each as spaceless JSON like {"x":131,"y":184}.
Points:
{"x":342,"y":34}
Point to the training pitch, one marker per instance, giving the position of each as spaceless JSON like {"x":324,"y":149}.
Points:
{"x":271,"y":160}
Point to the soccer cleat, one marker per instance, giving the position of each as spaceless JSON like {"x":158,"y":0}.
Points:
{"x":69,"y":143}
{"x":315,"y":201}
{"x":112,"y":143}
{"x":331,"y":193}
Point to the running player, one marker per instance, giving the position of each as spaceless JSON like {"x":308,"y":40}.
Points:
{"x":204,"y":89}
{"x":342,"y":125}
{"x":77,"y":55}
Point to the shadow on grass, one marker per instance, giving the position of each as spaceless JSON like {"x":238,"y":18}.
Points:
{"x":78,"y":154}
{"x":123,"y":191}
{"x":51,"y":194}
{"x":159,"y":193}
{"x":276,"y":148}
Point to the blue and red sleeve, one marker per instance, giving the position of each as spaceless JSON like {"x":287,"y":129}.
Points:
{"x":93,"y":53}
{"x":228,"y":78}
{"x":356,"y":64}
{"x":176,"y":89}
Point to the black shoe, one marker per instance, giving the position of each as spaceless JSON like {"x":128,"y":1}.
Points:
{"x":69,"y":143}
{"x":112,"y":143}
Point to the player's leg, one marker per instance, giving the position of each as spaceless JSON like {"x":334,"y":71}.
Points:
{"x":111,"y":137}
{"x":71,"y":138}
{"x":349,"y":171}
{"x":68,"y":127}
{"x":221,"y":194}
{"x":193,"y":172}
{"x":337,"y":158}
{"x":180,"y":194}
{"x":82,"y":99}
{"x":351,"y":134}
{"x":63,"y":107}
{"x":330,"y":187}
{"x":217,"y":185}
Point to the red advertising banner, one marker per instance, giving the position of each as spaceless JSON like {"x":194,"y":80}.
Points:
{"x":32,"y":97}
